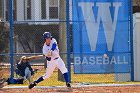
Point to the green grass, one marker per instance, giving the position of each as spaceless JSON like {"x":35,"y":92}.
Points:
{"x":76,"y":78}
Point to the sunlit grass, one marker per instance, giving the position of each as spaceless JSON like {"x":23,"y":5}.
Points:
{"x":75,"y":78}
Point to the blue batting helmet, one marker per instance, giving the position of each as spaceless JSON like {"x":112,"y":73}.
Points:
{"x":47,"y":35}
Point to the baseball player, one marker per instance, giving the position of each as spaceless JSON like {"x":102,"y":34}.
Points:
{"x":51,"y":52}
{"x":24,"y":68}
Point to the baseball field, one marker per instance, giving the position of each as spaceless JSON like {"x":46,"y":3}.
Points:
{"x":85,"y":83}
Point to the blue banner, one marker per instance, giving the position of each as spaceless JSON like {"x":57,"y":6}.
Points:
{"x":101,"y":36}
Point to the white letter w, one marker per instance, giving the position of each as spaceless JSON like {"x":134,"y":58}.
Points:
{"x":103,"y":14}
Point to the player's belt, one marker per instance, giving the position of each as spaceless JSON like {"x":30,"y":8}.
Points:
{"x":56,"y":58}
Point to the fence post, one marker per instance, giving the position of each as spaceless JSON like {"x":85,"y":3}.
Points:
{"x":68,"y":39}
{"x":131,"y":40}
{"x":11,"y":41}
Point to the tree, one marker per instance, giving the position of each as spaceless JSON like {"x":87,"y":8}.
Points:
{"x":4,"y":37}
{"x":62,"y":35}
{"x":4,"y":42}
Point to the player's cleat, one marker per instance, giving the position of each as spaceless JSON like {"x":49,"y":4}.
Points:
{"x":68,"y":85}
{"x":32,"y":85}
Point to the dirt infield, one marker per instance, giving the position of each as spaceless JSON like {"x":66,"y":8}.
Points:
{"x":90,"y":89}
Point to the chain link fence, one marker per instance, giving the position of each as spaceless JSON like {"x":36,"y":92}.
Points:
{"x":95,"y":44}
{"x":31,"y":18}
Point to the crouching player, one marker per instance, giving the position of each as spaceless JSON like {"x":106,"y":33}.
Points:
{"x":51,"y":52}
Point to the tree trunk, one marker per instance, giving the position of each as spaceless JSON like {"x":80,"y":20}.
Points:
{"x":62,"y":35}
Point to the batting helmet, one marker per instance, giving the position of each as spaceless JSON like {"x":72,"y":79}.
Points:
{"x":47,"y":35}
